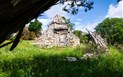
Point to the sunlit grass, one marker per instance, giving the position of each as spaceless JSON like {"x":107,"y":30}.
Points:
{"x":27,"y":60}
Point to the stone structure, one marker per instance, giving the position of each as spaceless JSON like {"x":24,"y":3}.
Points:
{"x":58,"y":34}
{"x":98,"y":40}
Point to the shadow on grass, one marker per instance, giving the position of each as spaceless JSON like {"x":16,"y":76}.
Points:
{"x":58,"y":66}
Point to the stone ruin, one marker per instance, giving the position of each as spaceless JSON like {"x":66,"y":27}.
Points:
{"x":98,"y":40}
{"x":57,"y":34}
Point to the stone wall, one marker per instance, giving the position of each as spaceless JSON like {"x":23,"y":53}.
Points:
{"x":58,"y":34}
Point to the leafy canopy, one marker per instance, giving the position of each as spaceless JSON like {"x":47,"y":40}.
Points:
{"x":82,"y":36}
{"x":35,"y":26}
{"x":112,"y":30}
{"x":73,"y":5}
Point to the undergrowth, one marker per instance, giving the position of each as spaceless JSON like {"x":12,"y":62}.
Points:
{"x":31,"y":61}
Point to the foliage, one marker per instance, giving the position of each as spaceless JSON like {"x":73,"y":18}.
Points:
{"x":35,"y":26}
{"x":69,"y":23}
{"x":111,"y":29}
{"x":73,"y":6}
{"x":82,"y":36}
{"x":94,"y":49}
{"x":119,"y":0}
{"x":27,"y":35}
{"x":30,"y":61}
{"x":120,"y":47}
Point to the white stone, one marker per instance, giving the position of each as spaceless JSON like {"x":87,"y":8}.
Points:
{"x":71,"y":59}
{"x":58,"y":34}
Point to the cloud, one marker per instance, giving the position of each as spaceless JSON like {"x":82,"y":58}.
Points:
{"x":115,"y":11}
{"x":91,"y":26}
{"x":82,"y":27}
{"x":45,"y":23}
{"x":50,"y":14}
{"x":56,"y":9}
{"x":79,"y":19}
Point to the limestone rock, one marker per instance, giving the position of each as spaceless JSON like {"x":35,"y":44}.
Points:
{"x":57,"y":34}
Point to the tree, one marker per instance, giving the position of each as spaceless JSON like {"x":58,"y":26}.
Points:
{"x":16,"y":14}
{"x":35,"y":27}
{"x":119,"y":0}
{"x":69,"y":23}
{"x":71,"y":7}
{"x":111,"y":29}
{"x":82,"y":36}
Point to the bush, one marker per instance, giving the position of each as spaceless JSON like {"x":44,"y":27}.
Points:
{"x":112,"y":30}
{"x":32,"y":36}
{"x":82,"y":36}
{"x":27,"y":35}
{"x":120,"y":47}
{"x":36,"y":27}
{"x":93,"y":48}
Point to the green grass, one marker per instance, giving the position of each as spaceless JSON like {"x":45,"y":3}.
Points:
{"x":30,"y":61}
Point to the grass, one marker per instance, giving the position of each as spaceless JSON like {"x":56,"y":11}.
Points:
{"x":30,"y":61}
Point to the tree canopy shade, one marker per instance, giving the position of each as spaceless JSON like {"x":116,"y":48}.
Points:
{"x":14,"y":14}
{"x":112,"y":30}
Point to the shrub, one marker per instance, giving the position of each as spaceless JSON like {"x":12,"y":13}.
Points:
{"x":27,"y":35}
{"x":120,"y":47}
{"x":82,"y":36}
{"x":36,"y":27}
{"x":93,"y":48}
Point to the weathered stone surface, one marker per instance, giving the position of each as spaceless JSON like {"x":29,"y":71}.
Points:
{"x":98,"y":40}
{"x":58,"y":34}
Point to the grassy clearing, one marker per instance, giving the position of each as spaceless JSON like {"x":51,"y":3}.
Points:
{"x":31,"y":61}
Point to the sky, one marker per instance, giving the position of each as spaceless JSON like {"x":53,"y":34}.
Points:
{"x":102,"y":9}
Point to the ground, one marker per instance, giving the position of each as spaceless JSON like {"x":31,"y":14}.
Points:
{"x":28,"y":60}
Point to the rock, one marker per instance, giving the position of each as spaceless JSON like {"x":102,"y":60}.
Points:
{"x":71,"y":59}
{"x":98,"y":40}
{"x":87,"y":55}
